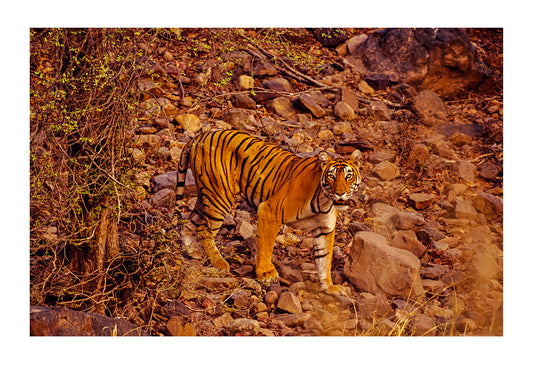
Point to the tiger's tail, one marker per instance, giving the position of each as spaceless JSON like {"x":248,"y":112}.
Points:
{"x":182,"y":170}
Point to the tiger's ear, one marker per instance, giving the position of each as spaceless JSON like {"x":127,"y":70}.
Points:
{"x":324,"y":157}
{"x":355,"y":157}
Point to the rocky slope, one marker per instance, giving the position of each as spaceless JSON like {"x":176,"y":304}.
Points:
{"x":421,"y":251}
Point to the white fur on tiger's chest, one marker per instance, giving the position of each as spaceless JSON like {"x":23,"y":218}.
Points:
{"x":312,"y":221}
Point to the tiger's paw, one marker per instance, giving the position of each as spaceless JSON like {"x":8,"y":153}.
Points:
{"x":266,"y":278}
{"x":337,"y":290}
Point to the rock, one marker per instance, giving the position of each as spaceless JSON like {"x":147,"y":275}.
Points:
{"x":325,"y":135}
{"x":344,"y":111}
{"x":418,"y":154}
{"x":380,"y":81}
{"x":379,"y":110}
{"x":308,"y":102}
{"x":434,"y":271}
{"x":166,"y":180}
{"x":464,"y":209}
{"x":465,"y":325}
{"x":277,"y":84}
{"x":243,"y":326}
{"x":289,"y":302}
{"x":341,"y":127}
{"x":485,"y":263}
{"x":290,"y":273}
{"x":433,"y":286}
{"x":459,"y":139}
{"x":165,"y":198}
{"x":282,"y":106}
{"x":241,"y":298}
{"x":223,"y":321}
{"x":373,"y":306}
{"x":347,"y":96}
{"x":244,"y":229}
{"x":153,"y":141}
{"x":245,"y":82}
{"x":264,"y":68}
{"x":137,"y":156}
{"x":48,"y":321}
{"x":420,"y":200}
{"x":426,"y":235}
{"x":424,"y":325}
{"x":295,"y":319}
{"x":385,"y":171}
{"x":407,"y":240}
{"x":175,"y":153}
{"x":489,"y":171}
{"x":271,"y":298}
{"x":443,"y":60}
{"x":176,"y":307}
{"x":188,"y":122}
{"x":237,"y":118}
{"x":354,"y":42}
{"x":405,"y":220}
{"x":489,"y":205}
{"x":465,"y":170}
{"x":374,"y":266}
{"x":430,"y":107}
{"x":243,"y":101}
{"x":365,"y":88}
{"x":381,"y":156}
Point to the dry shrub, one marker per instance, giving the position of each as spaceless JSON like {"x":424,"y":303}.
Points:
{"x":82,"y":100}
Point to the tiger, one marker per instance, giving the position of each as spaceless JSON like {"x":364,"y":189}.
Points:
{"x":302,"y":192}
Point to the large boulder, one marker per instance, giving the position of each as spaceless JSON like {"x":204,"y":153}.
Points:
{"x":376,"y":267}
{"x":441,"y":59}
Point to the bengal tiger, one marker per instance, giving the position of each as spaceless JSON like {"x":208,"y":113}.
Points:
{"x":305,"y":193}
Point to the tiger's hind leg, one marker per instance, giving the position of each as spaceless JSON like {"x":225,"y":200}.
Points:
{"x":207,"y":228}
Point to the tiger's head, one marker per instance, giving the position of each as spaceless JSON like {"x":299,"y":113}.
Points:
{"x":340,"y":179}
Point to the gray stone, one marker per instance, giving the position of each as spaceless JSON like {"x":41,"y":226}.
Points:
{"x":430,"y":107}
{"x":489,"y":171}
{"x":405,"y":220}
{"x":420,"y":200}
{"x":167,"y":180}
{"x":407,"y":240}
{"x":385,"y":171}
{"x":289,"y":302}
{"x":295,"y":319}
{"x":137,"y":156}
{"x":379,"y":111}
{"x":244,"y":326}
{"x":464,"y":209}
{"x":350,"y":98}
{"x":188,"y":122}
{"x":465,"y":170}
{"x":282,"y":106}
{"x":245,"y":82}
{"x":489,"y":205}
{"x":344,"y":111}
{"x":310,"y":104}
{"x":424,"y":325}
{"x":243,"y":101}
{"x":165,"y":198}
{"x":374,"y":266}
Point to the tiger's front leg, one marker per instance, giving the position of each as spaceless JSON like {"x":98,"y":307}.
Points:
{"x":323,"y":253}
